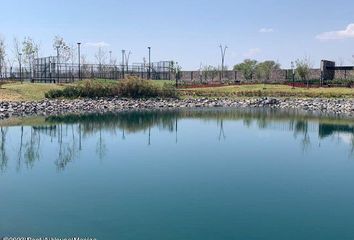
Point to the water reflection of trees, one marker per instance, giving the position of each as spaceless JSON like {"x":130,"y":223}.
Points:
{"x":3,"y":153}
{"x":67,"y":132}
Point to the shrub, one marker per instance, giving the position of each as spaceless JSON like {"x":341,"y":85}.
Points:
{"x":137,"y":88}
{"x":131,"y":87}
{"x":54,"y":93}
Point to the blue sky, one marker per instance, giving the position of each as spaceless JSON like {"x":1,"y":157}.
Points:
{"x":189,"y":31}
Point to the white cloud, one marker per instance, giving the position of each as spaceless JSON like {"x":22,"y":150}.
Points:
{"x":337,"y":35}
{"x":266,"y":30}
{"x":97,"y":44}
{"x":252,"y":52}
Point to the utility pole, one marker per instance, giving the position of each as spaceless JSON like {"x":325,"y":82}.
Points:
{"x":123,"y":53}
{"x":149,"y":74}
{"x":78,"y":49}
{"x":223,"y":52}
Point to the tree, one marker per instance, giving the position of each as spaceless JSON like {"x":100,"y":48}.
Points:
{"x":30,"y":50}
{"x":65,"y":51}
{"x":18,"y":55}
{"x":247,"y":68}
{"x":17,"y":50}
{"x":303,"y":67}
{"x":127,"y":56}
{"x":2,"y":56}
{"x":264,"y":69}
{"x":209,"y":72}
{"x":101,"y":56}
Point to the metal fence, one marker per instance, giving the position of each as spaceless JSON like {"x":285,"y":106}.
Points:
{"x":11,"y":73}
{"x":49,"y":70}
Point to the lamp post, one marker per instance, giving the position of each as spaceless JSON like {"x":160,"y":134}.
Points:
{"x":58,"y":60}
{"x":149,"y":73}
{"x":177,"y":74}
{"x":78,"y":49}
{"x":123,"y":53}
{"x":20,"y":63}
{"x":293,"y":73}
{"x":110,"y":57}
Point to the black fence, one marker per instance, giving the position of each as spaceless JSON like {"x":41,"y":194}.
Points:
{"x":11,"y":73}
{"x":49,"y":70}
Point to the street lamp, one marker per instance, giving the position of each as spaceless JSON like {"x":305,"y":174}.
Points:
{"x":58,"y":59}
{"x":149,"y":73}
{"x":123,"y":53}
{"x":20,"y":63}
{"x":78,"y":49}
{"x":293,"y":73}
{"x":110,"y":57}
{"x":32,"y":66}
{"x":177,"y":74}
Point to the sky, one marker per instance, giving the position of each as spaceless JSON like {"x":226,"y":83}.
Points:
{"x":189,"y":31}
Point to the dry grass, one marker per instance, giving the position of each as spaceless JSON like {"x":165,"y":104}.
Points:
{"x":260,"y":90}
{"x":36,"y":91}
{"x":25,"y":91}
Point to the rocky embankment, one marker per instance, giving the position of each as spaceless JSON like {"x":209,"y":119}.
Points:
{"x":54,"y":107}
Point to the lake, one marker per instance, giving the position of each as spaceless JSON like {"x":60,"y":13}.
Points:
{"x":192,"y":174}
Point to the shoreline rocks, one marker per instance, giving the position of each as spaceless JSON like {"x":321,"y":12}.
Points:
{"x":61,"y":106}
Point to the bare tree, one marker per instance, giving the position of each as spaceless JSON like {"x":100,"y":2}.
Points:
{"x":30,"y":50}
{"x":127,"y":56}
{"x":17,"y":50}
{"x":2,"y":56}
{"x":101,"y":56}
{"x":65,"y":51}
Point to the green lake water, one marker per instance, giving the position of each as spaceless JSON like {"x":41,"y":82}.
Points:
{"x":198,"y":174}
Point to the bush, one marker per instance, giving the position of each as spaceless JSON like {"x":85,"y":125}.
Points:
{"x":137,"y":88}
{"x":131,"y":87}
{"x":342,"y":82}
{"x":54,"y":93}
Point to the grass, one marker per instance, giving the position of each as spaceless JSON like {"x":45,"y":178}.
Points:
{"x":25,"y":91}
{"x":36,"y":91}
{"x":271,"y":90}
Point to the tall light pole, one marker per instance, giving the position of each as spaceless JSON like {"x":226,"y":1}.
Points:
{"x":110,"y":57}
{"x":177,"y":74}
{"x":20,"y":63}
{"x":223,"y":52}
{"x":78,"y":49}
{"x":58,"y":59}
{"x":32,"y":66}
{"x":293,"y":73}
{"x":149,"y":73}
{"x":123,"y":53}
